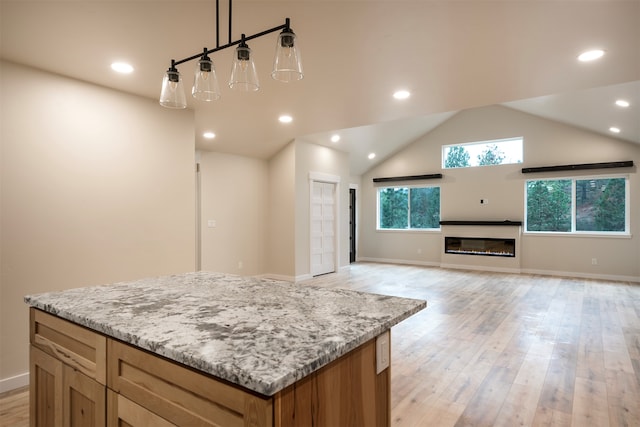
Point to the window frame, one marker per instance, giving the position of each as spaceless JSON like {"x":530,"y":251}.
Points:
{"x":573,"y":232}
{"x":485,"y":143}
{"x":408,"y":229}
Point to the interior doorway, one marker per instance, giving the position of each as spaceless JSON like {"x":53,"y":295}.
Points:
{"x":352,"y":225}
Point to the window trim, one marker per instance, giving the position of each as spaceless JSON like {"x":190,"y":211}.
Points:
{"x":406,"y":230}
{"x":578,"y":233}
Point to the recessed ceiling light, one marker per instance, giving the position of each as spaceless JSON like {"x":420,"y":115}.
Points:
{"x":285,"y":119}
{"x":591,"y":55}
{"x":209,"y":135}
{"x":622,"y":103}
{"x":614,"y":129}
{"x":122,"y":67}
{"x":401,"y":94}
{"x":335,"y":138}
{"x":371,"y":155}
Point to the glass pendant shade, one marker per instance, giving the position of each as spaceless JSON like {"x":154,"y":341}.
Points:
{"x":172,"y":94}
{"x":287,"y":65}
{"x":205,"y":82}
{"x":243,"y":71}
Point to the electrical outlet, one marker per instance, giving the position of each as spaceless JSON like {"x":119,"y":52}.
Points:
{"x":383,"y":352}
{"x":594,"y":261}
{"x":240,"y":265}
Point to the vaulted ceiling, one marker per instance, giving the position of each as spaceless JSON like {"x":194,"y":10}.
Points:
{"x":451,"y":55}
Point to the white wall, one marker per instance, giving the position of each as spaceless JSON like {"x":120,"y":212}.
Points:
{"x":234,"y":194}
{"x":97,"y":187}
{"x":546,"y":143}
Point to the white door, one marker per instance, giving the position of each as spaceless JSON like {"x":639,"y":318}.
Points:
{"x":323,"y":228}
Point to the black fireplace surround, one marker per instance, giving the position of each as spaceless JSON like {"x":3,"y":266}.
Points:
{"x":480,"y":246}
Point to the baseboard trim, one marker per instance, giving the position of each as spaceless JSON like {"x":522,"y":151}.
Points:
{"x":611,"y":277}
{"x":12,"y":383}
{"x":302,"y":277}
{"x":299,"y":278}
{"x":277,"y":277}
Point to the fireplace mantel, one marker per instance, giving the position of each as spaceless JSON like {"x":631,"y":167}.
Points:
{"x":489,"y":223}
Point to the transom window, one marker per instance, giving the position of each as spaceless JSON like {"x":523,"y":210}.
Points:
{"x":585,"y":205}
{"x":409,"y":208}
{"x":482,"y":153}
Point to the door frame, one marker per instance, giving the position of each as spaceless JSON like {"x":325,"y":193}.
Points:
{"x":353,"y":223}
{"x":330,"y":179}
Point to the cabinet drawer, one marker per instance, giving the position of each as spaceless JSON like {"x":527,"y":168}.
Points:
{"x":76,"y":346}
{"x":123,"y":412}
{"x":179,"y":394}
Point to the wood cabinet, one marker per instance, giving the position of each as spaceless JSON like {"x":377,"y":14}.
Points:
{"x":68,"y":372}
{"x":346,"y":392}
{"x":81,"y":378}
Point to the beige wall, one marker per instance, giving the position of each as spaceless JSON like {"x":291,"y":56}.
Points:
{"x":261,"y":210}
{"x":281,"y":214}
{"x":97,"y":187}
{"x":234,"y":194}
{"x":545,"y":143}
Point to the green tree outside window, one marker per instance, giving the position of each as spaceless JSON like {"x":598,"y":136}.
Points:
{"x":599,"y":205}
{"x":409,"y":208}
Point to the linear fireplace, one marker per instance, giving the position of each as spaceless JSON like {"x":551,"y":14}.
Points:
{"x":480,"y":246}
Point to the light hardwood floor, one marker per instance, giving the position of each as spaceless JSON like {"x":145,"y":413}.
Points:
{"x":498,"y":349}
{"x":14,"y":408}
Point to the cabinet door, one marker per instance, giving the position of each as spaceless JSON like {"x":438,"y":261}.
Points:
{"x":45,"y":394}
{"x":84,"y":400}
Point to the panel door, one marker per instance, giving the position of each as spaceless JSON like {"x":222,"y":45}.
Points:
{"x":323,"y":242}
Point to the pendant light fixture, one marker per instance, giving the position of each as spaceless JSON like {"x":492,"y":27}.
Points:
{"x":172,"y":94}
{"x":205,"y":81}
{"x":286,"y":67}
{"x":243,"y":71}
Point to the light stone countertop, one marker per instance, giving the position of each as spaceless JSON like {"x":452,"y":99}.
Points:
{"x":257,"y":333}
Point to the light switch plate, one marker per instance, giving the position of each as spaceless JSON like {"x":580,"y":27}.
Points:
{"x":383,"y":352}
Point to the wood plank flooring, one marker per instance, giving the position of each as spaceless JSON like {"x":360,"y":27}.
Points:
{"x":14,"y":408}
{"x":497,"y":349}
{"x":508,"y":350}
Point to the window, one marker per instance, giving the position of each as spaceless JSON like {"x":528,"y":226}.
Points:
{"x":484,"y":153}
{"x":409,"y":208}
{"x":591,"y":205}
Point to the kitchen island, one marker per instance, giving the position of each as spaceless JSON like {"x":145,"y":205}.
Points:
{"x":212,"y":349}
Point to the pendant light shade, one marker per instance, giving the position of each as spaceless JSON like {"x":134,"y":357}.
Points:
{"x":205,"y":82}
{"x":172,"y":94}
{"x":287,"y":65}
{"x":243,"y":72}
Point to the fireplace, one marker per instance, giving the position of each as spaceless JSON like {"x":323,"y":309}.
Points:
{"x":484,"y":246}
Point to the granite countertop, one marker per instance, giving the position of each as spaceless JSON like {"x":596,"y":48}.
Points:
{"x":257,"y":333}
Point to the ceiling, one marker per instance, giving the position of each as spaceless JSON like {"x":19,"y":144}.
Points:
{"x":451,"y":55}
